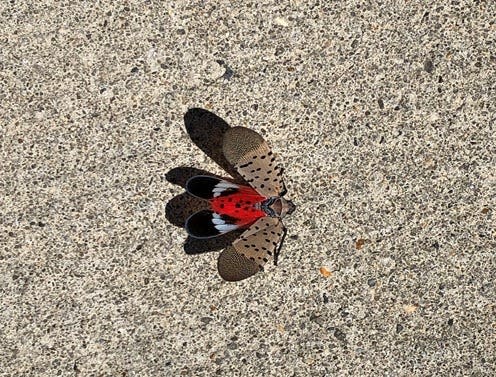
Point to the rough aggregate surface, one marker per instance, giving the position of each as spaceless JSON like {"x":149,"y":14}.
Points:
{"x":383,"y":114}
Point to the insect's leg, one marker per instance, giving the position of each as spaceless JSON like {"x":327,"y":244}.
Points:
{"x":284,"y":189}
{"x":278,"y":251}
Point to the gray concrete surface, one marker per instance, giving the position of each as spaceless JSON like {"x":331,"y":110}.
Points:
{"x":384,"y":115}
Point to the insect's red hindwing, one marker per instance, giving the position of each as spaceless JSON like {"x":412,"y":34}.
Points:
{"x":243,"y":206}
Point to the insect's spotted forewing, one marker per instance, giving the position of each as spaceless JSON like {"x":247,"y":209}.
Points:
{"x":233,"y":266}
{"x":251,"y":156}
{"x":251,"y":250}
{"x":261,"y":240}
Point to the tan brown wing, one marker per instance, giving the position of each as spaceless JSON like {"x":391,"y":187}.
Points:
{"x":233,"y":266}
{"x":251,"y":250}
{"x":251,"y":156}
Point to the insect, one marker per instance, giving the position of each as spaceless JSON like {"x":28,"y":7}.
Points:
{"x":257,"y":208}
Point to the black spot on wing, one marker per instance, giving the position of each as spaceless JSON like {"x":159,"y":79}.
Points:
{"x":202,"y":186}
{"x":200,"y":225}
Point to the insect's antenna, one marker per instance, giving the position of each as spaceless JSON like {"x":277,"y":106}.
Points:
{"x":278,"y":251}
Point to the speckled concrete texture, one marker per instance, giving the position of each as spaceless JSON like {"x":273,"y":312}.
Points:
{"x":384,"y":116}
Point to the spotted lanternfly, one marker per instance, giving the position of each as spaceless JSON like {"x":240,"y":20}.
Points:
{"x":257,"y":207}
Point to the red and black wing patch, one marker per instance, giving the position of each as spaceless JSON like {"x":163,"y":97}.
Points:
{"x":251,"y":156}
{"x":232,"y":207}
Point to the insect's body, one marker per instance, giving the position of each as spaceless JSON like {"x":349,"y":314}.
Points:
{"x":258,"y":208}
{"x":248,"y":206}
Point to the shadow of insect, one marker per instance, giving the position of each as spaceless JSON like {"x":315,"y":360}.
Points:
{"x":206,"y":130}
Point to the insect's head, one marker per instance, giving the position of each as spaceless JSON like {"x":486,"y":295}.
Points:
{"x":290,"y":207}
{"x":278,"y":207}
